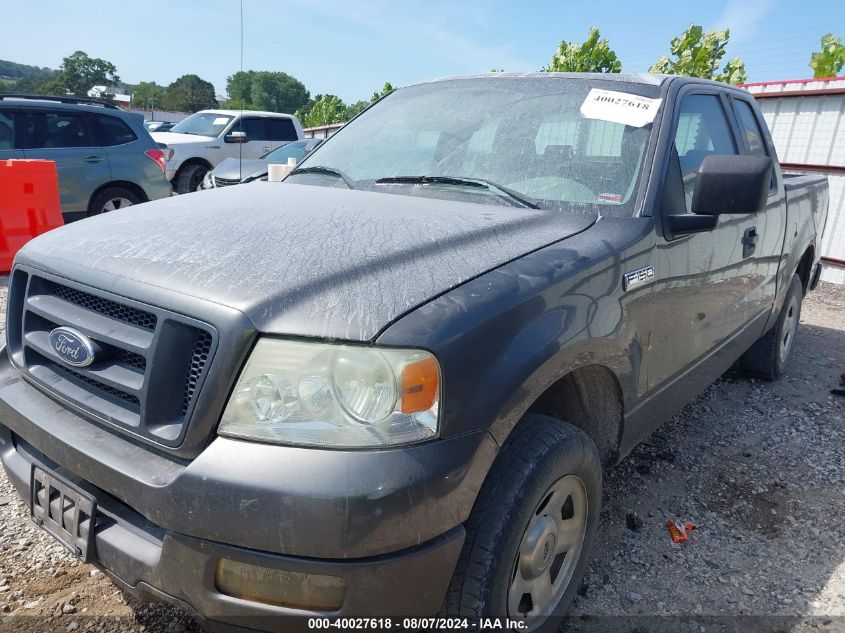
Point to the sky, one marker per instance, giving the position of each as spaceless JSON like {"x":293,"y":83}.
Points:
{"x":352,"y":48}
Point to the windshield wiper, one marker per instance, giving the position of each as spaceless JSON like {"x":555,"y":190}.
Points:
{"x":322,"y":169}
{"x":524,"y":200}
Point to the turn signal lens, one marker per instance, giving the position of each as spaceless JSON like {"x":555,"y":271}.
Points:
{"x":420,"y":382}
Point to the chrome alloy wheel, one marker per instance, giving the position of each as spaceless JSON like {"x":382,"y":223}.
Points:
{"x":113,"y":204}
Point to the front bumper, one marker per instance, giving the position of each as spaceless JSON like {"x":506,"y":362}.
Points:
{"x":389,"y":522}
{"x":156,"y":564}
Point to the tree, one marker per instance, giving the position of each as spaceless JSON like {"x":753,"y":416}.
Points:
{"x":699,"y":54}
{"x":189,"y":93}
{"x":356,"y":108}
{"x":79,"y":73}
{"x":263,"y":90}
{"x":386,"y":90}
{"x":594,"y":55}
{"x":148,"y":95}
{"x":326,"y":110}
{"x":830,"y":59}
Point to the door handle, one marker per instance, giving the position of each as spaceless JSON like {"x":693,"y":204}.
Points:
{"x":93,"y":159}
{"x":749,"y":241}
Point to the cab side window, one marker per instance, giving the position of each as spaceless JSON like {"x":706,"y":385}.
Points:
{"x":7,"y":131}
{"x":750,"y":130}
{"x":281,"y":129}
{"x":253,"y":128}
{"x":703,"y":130}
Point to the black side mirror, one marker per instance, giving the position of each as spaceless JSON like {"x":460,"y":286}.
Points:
{"x":731,"y":184}
{"x":235,"y":137}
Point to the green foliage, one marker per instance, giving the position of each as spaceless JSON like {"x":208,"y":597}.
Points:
{"x":79,"y":73}
{"x":263,"y":90}
{"x":594,"y":55}
{"x":699,"y":54}
{"x":326,"y":110}
{"x":13,"y":70}
{"x":189,"y":93}
{"x":386,"y":90}
{"x":148,"y":95}
{"x":356,"y":108}
{"x":830,"y":59}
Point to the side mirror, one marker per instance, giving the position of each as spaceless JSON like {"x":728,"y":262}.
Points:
{"x":731,"y":184}
{"x":235,"y":137}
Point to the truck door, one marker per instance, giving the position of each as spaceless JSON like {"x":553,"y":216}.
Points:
{"x":257,"y":141}
{"x":709,"y":289}
{"x":770,"y":243}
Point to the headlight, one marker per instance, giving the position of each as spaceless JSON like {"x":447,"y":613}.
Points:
{"x":339,"y":396}
{"x":208,"y":181}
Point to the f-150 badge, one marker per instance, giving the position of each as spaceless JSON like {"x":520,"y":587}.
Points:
{"x":637,"y":277}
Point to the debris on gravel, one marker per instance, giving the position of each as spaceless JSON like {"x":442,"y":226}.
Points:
{"x":758,"y":467}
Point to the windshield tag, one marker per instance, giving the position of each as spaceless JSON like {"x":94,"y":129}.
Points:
{"x":619,"y":107}
{"x":221,"y":120}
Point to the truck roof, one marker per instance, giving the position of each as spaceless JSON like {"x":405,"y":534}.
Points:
{"x":651,"y":79}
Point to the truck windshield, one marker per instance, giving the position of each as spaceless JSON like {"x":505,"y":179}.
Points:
{"x":203,"y":124}
{"x":519,"y":134}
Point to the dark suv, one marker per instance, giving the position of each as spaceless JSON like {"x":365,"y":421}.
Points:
{"x":105,"y":158}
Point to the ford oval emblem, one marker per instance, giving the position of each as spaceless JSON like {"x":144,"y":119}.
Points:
{"x":72,"y":346}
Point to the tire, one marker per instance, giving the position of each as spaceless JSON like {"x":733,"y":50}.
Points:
{"x":546,"y":468}
{"x":190,"y":178}
{"x":768,"y":357}
{"x":112,"y":199}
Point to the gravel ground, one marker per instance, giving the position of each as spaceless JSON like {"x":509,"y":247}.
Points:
{"x":758,"y":468}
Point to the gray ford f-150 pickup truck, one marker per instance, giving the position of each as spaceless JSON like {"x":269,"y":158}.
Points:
{"x":388,"y":386}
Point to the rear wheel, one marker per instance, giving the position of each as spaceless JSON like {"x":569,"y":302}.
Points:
{"x":768,"y":357}
{"x":190,"y":178}
{"x":112,"y":199}
{"x":532,"y":528}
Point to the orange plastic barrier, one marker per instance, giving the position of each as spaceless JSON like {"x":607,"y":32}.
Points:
{"x":29,"y":204}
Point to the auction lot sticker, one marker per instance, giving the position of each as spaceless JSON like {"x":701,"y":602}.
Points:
{"x":619,"y":107}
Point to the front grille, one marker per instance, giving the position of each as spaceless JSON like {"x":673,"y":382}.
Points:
{"x":225,"y":182}
{"x":199,"y":357}
{"x":149,"y":363}
{"x":102,"y":306}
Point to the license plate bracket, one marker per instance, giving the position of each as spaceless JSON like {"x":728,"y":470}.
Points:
{"x":64,"y":510}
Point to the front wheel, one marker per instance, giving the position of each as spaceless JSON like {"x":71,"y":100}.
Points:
{"x":531,"y":531}
{"x":190,"y":178}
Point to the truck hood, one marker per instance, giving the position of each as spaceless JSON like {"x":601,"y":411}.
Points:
{"x":174,"y":139}
{"x":234,"y":169}
{"x":299,"y":259}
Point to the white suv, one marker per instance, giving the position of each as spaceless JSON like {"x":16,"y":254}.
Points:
{"x":196,"y":145}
